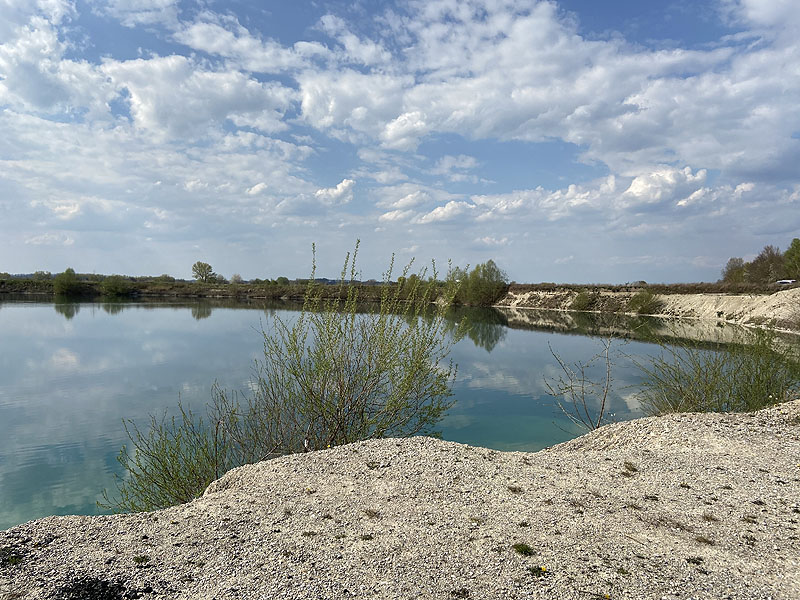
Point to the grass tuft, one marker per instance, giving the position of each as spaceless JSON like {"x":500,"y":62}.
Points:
{"x":523,"y":549}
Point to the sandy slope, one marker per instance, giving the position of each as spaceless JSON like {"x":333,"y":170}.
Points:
{"x":684,"y":506}
{"x":780,"y":310}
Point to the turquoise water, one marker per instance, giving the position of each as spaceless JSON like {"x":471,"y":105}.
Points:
{"x":70,"y":374}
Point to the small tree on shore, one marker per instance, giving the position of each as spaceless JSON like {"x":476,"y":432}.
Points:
{"x":203,"y":272}
{"x":484,"y":284}
{"x":66,"y":283}
{"x":734,"y":271}
{"x":767,"y":266}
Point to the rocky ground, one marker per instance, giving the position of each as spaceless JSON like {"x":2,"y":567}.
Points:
{"x":683,"y":506}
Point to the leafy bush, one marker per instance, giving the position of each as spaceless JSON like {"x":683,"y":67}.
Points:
{"x":66,"y":283}
{"x":645,"y":302}
{"x":581,"y":302}
{"x":331,"y":377}
{"x":483,"y":286}
{"x":115,"y":286}
{"x":171,"y":463}
{"x":754,"y":372}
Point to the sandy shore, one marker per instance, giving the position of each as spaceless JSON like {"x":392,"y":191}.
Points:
{"x":683,"y":506}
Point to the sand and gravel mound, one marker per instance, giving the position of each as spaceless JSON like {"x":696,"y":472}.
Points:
{"x":684,"y":506}
{"x":779,"y":310}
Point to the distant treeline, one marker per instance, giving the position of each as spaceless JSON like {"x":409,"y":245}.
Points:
{"x":770,"y":266}
{"x":481,"y":286}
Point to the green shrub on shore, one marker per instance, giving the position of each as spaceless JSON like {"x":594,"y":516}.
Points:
{"x":581,"y":302}
{"x":645,"y":302}
{"x":482,"y":286}
{"x":330,"y":377}
{"x":754,"y":372}
{"x":115,"y":286}
{"x":66,"y":283}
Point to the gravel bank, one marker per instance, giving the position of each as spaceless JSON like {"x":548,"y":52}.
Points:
{"x":685,"y":506}
{"x":780,"y":310}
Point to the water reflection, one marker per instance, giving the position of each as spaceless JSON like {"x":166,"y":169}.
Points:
{"x":201,"y":311}
{"x":67,"y":309}
{"x":486,"y":327}
{"x":69,"y":376}
{"x":113,"y":307}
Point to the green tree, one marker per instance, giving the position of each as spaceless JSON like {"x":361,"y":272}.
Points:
{"x":66,"y":283}
{"x":282,"y":281}
{"x":766,"y":267}
{"x":791,"y":260}
{"x":203,"y":272}
{"x":734,"y":271}
{"x":484,"y":285}
{"x":331,"y":376}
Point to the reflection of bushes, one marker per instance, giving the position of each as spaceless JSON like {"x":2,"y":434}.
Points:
{"x":113,"y":308}
{"x":486,"y":327}
{"x":201,"y":311}
{"x":68,"y":309}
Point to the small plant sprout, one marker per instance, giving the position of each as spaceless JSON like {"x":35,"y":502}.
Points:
{"x":523,"y":549}
{"x":539,"y":571}
{"x":9,"y":556}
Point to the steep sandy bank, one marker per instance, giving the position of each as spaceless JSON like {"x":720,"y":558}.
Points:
{"x":780,"y":310}
{"x":700,"y":506}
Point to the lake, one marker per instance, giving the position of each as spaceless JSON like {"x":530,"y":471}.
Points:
{"x":70,"y":373}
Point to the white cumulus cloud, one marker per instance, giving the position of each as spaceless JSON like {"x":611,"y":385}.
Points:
{"x":342,"y":193}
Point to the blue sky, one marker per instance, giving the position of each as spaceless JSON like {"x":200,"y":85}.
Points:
{"x":570,"y":141}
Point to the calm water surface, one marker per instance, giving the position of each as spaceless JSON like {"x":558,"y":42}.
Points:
{"x":70,"y":374}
